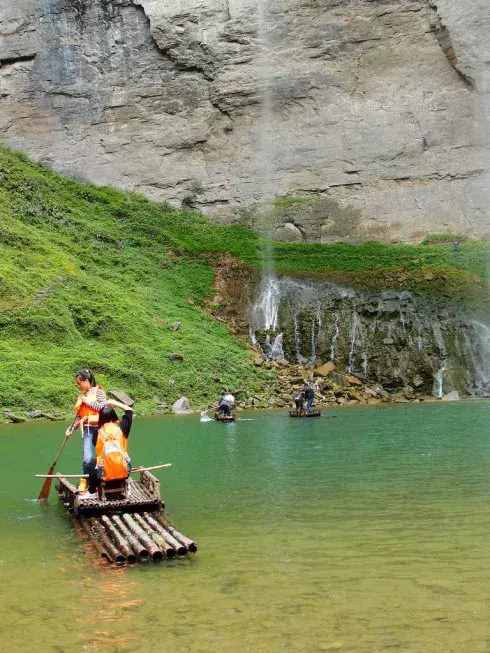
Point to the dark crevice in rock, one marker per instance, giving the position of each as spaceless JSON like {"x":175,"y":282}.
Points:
{"x":443,"y":36}
{"x":10,"y":61}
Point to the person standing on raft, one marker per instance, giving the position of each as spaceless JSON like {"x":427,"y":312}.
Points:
{"x":111,"y":444}
{"x":309,"y":396}
{"x":299,"y":401}
{"x":226,"y":404}
{"x":90,"y":402}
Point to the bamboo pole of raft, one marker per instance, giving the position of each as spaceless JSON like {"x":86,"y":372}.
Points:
{"x":140,"y":550}
{"x":186,"y":541}
{"x":98,"y":545}
{"x":168,"y":550}
{"x":109,"y":552}
{"x":118,"y":539}
{"x":178,"y":546}
{"x":169,"y":539}
{"x":136,"y":529}
{"x":117,"y":555}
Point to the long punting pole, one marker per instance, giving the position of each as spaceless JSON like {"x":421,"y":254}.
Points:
{"x":135,"y":470}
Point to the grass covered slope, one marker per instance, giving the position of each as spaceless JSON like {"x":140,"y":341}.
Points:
{"x":89,"y":277}
{"x":96,"y":277}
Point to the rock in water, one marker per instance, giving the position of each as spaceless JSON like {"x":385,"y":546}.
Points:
{"x":182,"y":406}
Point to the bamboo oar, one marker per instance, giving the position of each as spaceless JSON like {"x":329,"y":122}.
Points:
{"x":44,"y":494}
{"x":133,"y":471}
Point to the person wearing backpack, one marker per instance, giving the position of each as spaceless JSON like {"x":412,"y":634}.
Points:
{"x":111,"y":446}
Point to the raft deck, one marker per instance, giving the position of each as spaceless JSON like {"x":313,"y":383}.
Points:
{"x":224,"y":418}
{"x":315,"y":413}
{"x":129,"y":528}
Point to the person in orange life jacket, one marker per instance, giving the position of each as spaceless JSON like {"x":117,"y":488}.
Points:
{"x":111,"y":444}
{"x":90,"y":402}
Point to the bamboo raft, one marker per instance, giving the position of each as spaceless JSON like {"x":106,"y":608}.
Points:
{"x":130,"y":526}
{"x":315,"y":413}
{"x":224,"y":418}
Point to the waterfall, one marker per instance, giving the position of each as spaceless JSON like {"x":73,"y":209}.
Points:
{"x":297,"y":344}
{"x":316,"y":323}
{"x":335,"y":337}
{"x":277,"y":351}
{"x":267,"y":308}
{"x":479,"y":351}
{"x":355,"y":328}
{"x":438,"y":388}
{"x":433,"y":351}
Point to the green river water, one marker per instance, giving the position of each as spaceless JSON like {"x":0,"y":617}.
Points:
{"x":368,"y":532}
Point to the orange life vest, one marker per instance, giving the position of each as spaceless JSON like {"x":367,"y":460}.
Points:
{"x":112,"y":452}
{"x":84,"y":407}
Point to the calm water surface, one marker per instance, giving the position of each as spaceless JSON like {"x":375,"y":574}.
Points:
{"x":363,"y":533}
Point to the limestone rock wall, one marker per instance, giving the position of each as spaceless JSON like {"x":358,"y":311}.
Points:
{"x":376,"y":110}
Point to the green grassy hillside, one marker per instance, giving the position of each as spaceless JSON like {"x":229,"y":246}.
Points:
{"x":90,"y":277}
{"x":96,"y":277}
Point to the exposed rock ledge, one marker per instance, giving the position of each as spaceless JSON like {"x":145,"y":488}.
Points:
{"x":379,"y":107}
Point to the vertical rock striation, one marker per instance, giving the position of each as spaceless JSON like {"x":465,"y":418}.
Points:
{"x":379,"y":106}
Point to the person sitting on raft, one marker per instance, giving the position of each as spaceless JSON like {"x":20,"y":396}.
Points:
{"x":299,"y":401}
{"x":90,"y":402}
{"x":309,"y":396}
{"x":111,"y":444}
{"x":226,"y":404}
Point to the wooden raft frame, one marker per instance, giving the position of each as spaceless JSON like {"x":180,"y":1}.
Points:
{"x":294,"y":413}
{"x":143,"y":495}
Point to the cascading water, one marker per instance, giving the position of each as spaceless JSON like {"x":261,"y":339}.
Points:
{"x":438,"y":389}
{"x":335,"y":337}
{"x":477,"y":341}
{"x":264,"y":318}
{"x":354,"y":333}
{"x":434,"y":348}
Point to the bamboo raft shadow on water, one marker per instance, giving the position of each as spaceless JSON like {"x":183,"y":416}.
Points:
{"x":129,"y":527}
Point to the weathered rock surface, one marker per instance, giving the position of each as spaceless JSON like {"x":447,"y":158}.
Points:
{"x":396,"y":339}
{"x":377,"y":107}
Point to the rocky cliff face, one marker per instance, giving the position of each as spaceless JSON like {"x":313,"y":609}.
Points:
{"x":392,"y":338}
{"x":374,"y":109}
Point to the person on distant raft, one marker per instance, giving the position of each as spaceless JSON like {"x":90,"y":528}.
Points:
{"x":111,"y":442}
{"x":299,"y":401}
{"x":90,"y":402}
{"x":309,"y":396}
{"x":226,"y":404}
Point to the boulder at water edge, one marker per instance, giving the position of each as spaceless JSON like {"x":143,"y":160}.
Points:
{"x":451,"y":396}
{"x":182,"y":406}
